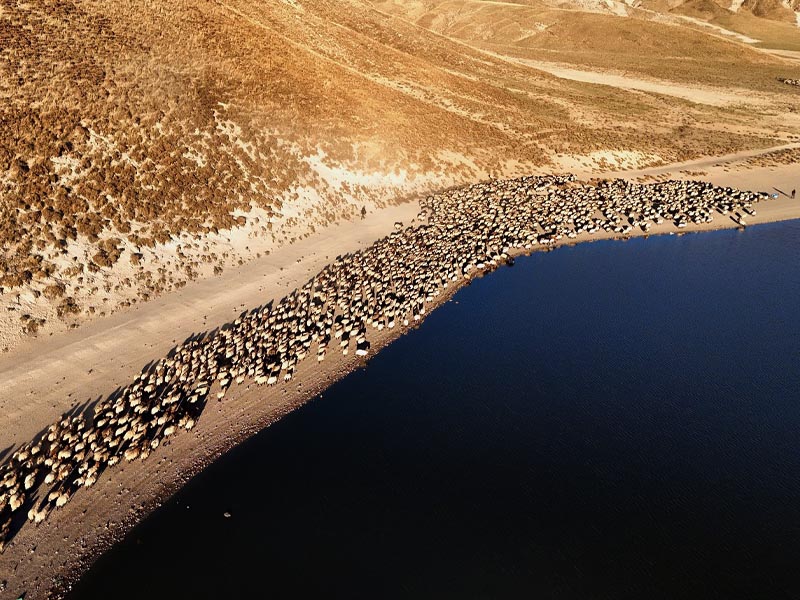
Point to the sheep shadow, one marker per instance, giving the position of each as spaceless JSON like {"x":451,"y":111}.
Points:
{"x":40,"y":495}
{"x":37,"y":496}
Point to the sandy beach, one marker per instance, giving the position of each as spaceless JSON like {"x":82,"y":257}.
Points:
{"x":49,"y":376}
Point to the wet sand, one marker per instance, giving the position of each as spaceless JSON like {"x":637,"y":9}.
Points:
{"x":42,"y":558}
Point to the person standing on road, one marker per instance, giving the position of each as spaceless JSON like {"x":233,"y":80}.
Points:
{"x":793,"y":193}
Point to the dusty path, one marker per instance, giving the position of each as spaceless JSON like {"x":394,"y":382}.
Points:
{"x":716,"y":163}
{"x":791,"y":55}
{"x":48,"y":376}
{"x":698,"y":94}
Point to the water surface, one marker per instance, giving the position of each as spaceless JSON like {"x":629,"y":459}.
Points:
{"x":611,"y":420}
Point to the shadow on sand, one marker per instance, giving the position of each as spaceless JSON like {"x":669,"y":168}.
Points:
{"x":42,"y":495}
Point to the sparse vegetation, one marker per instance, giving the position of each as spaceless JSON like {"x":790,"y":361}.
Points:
{"x":67,"y":307}
{"x":54,"y":291}
{"x":30,"y":325}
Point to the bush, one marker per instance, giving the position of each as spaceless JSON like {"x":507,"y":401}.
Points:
{"x":31,"y":327}
{"x":102,"y":259}
{"x":16,"y":279}
{"x":51,"y":292}
{"x":67,"y":306}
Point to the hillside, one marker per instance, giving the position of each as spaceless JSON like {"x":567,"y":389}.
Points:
{"x":146,"y":143}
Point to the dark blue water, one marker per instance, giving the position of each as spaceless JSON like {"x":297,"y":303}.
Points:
{"x":613,"y":420}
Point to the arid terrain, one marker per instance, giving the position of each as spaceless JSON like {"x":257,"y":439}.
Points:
{"x":165,"y":167}
{"x":398,"y":279}
{"x":145,"y":146}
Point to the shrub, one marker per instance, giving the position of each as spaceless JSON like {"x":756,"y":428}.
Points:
{"x":56,"y":290}
{"x":102,"y":259}
{"x":67,"y":306}
{"x":31,"y":327}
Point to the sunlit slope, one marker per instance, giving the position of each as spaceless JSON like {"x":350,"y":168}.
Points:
{"x":126,"y":123}
{"x":772,"y":10}
{"x":776,"y":10}
{"x":134,"y":132}
{"x":144,"y":118}
{"x":774,"y":25}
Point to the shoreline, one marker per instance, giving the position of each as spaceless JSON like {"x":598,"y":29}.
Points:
{"x":316,"y":389}
{"x":106,"y":353}
{"x":50,"y":375}
{"x":219,"y":430}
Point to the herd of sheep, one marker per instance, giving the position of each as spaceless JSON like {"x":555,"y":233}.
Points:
{"x":461,"y":233}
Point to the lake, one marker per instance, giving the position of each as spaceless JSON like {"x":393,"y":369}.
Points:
{"x":610,"y":420}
